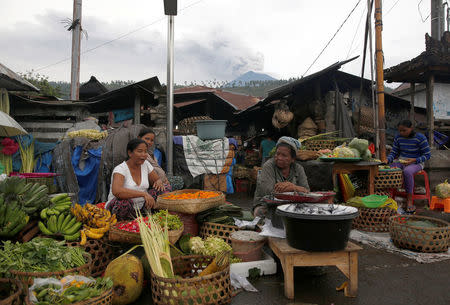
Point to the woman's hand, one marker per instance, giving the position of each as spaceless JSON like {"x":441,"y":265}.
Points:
{"x":301,"y":189}
{"x":149,"y":201}
{"x":410,"y":161}
{"x":281,"y":187}
{"x":158,"y":185}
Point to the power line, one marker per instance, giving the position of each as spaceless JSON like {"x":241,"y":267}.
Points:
{"x":328,"y":43}
{"x":356,"y":32}
{"x":118,"y":38}
{"x":392,"y":7}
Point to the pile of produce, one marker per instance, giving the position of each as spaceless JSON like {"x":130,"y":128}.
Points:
{"x":343,"y":152}
{"x":193,"y":195}
{"x":12,"y":219}
{"x":59,"y":204}
{"x":211,"y":246}
{"x":360,"y":147}
{"x":70,"y":290}
{"x":29,"y":197}
{"x":91,"y":134}
{"x":443,"y":190}
{"x":40,"y":255}
{"x":96,"y":221}
{"x":173,"y":222}
{"x":222,"y":214}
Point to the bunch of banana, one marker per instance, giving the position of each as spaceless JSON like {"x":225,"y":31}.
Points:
{"x":96,"y":221}
{"x":63,"y":224}
{"x":30,"y":197}
{"x":60,"y":204}
{"x":12,"y":219}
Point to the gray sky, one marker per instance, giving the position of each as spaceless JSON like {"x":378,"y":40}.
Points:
{"x":218,"y":39}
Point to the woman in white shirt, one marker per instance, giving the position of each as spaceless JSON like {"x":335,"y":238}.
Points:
{"x":131,"y":181}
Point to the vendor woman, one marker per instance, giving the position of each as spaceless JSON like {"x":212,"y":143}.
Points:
{"x":148,"y":135}
{"x":412,"y":150}
{"x":131,"y":181}
{"x":280,"y":174}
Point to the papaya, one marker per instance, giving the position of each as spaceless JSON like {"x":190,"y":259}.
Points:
{"x":127,"y":273}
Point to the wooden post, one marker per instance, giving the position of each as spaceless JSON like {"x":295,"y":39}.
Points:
{"x":412,"y":116}
{"x":137,"y":107}
{"x":430,"y":110}
{"x":380,"y":80}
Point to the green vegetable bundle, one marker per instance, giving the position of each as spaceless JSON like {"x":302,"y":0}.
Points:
{"x":211,"y":246}
{"x":222,"y":214}
{"x":40,"y":255}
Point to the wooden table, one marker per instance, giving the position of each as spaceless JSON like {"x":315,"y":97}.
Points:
{"x":350,"y":168}
{"x":345,"y":260}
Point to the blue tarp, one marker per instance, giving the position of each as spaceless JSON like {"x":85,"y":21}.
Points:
{"x":123,"y":115}
{"x":87,"y":177}
{"x":42,"y":152}
{"x":230,"y":188}
{"x":158,"y":156}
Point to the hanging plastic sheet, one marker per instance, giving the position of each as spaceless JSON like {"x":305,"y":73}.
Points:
{"x":42,"y":154}
{"x":87,"y":173}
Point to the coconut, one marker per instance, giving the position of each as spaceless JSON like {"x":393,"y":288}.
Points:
{"x":127,"y":273}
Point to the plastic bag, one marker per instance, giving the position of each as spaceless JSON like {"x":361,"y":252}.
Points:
{"x":246,"y":225}
{"x":39,"y":282}
{"x":269,"y":231}
{"x":67,"y":280}
{"x":238,"y":281}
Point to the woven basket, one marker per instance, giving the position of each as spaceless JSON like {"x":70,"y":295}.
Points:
{"x":104,"y":299}
{"x":192,"y":289}
{"x":241,"y":172}
{"x":373,"y":220}
{"x":101,"y":253}
{"x":305,"y":155}
{"x":48,"y":181}
{"x":188,"y":206}
{"x":317,"y":145}
{"x":27,"y":277}
{"x":15,"y":295}
{"x":122,"y":236}
{"x":389,"y":179}
{"x":422,"y":239}
{"x":217,"y":230}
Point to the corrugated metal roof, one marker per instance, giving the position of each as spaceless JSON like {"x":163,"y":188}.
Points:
{"x":200,"y":93}
{"x":11,"y":81}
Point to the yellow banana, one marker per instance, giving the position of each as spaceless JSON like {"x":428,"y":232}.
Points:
{"x":83,"y":238}
{"x":93,"y":235}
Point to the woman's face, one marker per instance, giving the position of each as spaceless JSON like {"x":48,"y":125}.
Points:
{"x":283,"y":158}
{"x":139,"y":154}
{"x":404,"y":131}
{"x":149,"y":138}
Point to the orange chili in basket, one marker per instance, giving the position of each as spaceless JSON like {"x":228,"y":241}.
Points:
{"x":195,"y":195}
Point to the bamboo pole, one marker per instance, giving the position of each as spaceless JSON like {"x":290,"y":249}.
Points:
{"x":380,"y":80}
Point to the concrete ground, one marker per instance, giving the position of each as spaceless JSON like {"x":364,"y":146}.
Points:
{"x":384,"y":278}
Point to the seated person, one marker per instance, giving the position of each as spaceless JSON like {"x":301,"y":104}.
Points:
{"x":412,"y":150}
{"x":280,"y":174}
{"x":130,"y":183}
{"x":148,"y":136}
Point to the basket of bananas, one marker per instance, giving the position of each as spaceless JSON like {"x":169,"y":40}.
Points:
{"x":96,"y":221}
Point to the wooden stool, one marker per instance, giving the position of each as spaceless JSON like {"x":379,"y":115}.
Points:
{"x":346,"y":261}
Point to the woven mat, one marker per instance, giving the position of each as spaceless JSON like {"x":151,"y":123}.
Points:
{"x":383,"y":241}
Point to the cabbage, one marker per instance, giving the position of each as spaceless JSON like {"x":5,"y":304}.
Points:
{"x":367,"y":155}
{"x":443,"y":190}
{"x":343,"y":152}
{"x":196,"y":245}
{"x":359,"y":144}
{"x":355,"y":152}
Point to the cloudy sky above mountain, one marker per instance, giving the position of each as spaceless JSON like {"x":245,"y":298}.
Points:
{"x":214,"y":39}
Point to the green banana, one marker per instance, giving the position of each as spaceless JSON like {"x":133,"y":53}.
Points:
{"x":2,"y":214}
{"x":62,"y":208}
{"x":20,"y":225}
{"x":44,"y":213}
{"x":2,"y":198}
{"x":70,"y":224}
{"x":66,"y":221}
{"x":72,"y":237}
{"x":51,"y":224}
{"x":59,"y":222}
{"x":44,"y":229}
{"x":33,"y":188}
{"x":30,"y":210}
{"x":25,"y":188}
{"x":63,"y":203}
{"x":71,"y":230}
{"x":59,"y":197}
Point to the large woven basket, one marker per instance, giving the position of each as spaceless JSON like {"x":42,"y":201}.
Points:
{"x":189,"y":206}
{"x":316,"y":145}
{"x":373,"y":220}
{"x":192,"y":289}
{"x":101,"y":253}
{"x":217,"y":230}
{"x":389,"y":179}
{"x":241,"y":172}
{"x":305,"y":155}
{"x":121,"y":236}
{"x":14,"y":295}
{"x":104,"y":299}
{"x":422,"y":239}
{"x":27,"y":277}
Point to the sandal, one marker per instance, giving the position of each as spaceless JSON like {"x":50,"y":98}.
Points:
{"x":410,"y":210}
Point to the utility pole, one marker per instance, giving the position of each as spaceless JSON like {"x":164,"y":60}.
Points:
{"x":170,"y":9}
{"x":76,"y":46}
{"x":380,"y":80}
{"x":437,"y":19}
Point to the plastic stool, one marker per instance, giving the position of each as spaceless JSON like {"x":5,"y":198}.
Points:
{"x":438,"y":203}
{"x":427,"y":195}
